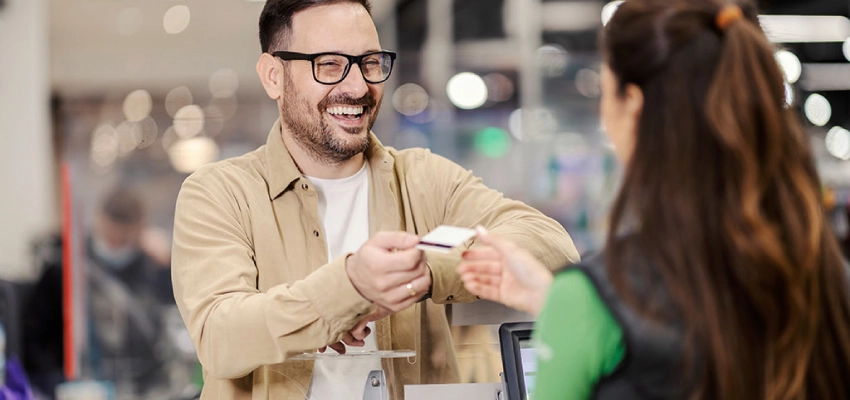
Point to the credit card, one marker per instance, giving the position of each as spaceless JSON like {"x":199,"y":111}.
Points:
{"x":444,"y":237}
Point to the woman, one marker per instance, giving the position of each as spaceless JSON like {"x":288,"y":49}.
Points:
{"x":720,"y":277}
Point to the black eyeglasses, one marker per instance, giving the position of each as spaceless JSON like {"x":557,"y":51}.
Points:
{"x":332,"y":68}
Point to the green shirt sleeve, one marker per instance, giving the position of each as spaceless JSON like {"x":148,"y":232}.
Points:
{"x":578,"y":340}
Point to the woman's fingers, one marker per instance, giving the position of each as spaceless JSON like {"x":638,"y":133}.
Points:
{"x":481,"y":253}
{"x":501,"y":245}
{"x":480,"y":267}
{"x":484,"y":291}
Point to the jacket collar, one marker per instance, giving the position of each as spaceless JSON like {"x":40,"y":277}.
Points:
{"x":282,"y":171}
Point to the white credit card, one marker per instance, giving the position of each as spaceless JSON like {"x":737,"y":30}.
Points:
{"x":443,"y":238}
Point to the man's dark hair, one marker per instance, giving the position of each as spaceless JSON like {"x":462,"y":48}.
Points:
{"x":276,"y":19}
{"x":123,"y":206}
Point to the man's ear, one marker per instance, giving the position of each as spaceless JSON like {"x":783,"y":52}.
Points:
{"x":271,"y":74}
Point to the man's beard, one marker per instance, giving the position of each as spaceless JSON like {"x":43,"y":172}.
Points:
{"x":312,"y":132}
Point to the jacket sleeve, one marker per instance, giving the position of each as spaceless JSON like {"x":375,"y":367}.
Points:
{"x":465,"y":201}
{"x":235,"y":327}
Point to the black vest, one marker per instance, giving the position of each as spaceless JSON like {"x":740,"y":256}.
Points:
{"x":651,"y":367}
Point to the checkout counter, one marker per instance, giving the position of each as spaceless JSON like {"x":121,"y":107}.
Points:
{"x":481,"y":312}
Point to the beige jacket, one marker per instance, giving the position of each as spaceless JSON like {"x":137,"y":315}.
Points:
{"x":254,"y":287}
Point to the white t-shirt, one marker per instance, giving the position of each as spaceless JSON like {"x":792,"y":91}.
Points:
{"x":344,"y":212}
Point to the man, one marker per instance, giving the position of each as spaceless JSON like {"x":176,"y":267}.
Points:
{"x":301,"y":243}
{"x":127,"y":292}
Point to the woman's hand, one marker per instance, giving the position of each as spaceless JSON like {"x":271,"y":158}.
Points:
{"x":501,"y":271}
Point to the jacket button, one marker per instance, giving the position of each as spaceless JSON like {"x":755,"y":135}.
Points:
{"x":316,"y":233}
{"x":451,"y":296}
{"x":305,"y":186}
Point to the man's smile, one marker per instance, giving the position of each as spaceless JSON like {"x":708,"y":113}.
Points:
{"x":348,"y":115}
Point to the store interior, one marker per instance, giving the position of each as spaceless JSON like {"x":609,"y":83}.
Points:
{"x":103,"y":94}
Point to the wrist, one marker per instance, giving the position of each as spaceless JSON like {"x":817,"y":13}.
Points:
{"x":427,"y":294}
{"x":348,"y":269}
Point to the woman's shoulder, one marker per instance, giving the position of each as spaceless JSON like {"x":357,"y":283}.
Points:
{"x":591,"y":270}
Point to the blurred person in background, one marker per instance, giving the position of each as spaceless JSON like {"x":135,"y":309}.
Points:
{"x":123,"y":243}
{"x":309,"y":241}
{"x":128,"y":288}
{"x":720,"y":278}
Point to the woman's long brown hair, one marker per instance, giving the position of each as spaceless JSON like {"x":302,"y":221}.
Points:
{"x":722,"y":198}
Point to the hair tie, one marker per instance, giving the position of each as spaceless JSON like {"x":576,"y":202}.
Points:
{"x":727,"y":15}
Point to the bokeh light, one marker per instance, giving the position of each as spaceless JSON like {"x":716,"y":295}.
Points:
{"x":492,"y":142}
{"x":176,"y":19}
{"x":217,"y":112}
{"x":137,"y":105}
{"x":189,"y":121}
{"x":588,"y":83}
{"x":817,"y":109}
{"x":846,"y":49}
{"x":187,"y":155}
{"x":225,"y":107}
{"x":224,"y":83}
{"x":467,"y":90}
{"x":410,"y":99}
{"x":178,"y":98}
{"x":104,"y":145}
{"x":552,"y":60}
{"x":427,"y":116}
{"x":214,"y":122}
{"x":149,"y":131}
{"x":129,"y":136}
{"x":169,"y":137}
{"x":543,"y":119}
{"x":838,"y":142}
{"x":499,"y":87}
{"x":790,"y":65}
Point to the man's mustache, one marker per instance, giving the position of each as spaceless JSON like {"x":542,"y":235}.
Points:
{"x":367,"y":101}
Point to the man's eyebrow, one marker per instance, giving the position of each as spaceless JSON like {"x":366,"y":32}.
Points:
{"x":342,"y":52}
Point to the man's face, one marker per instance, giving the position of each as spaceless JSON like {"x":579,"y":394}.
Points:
{"x":117,"y":235}
{"x":115,"y":244}
{"x":332,"y":122}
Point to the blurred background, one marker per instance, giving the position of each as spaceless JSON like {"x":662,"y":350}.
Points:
{"x":105,"y":96}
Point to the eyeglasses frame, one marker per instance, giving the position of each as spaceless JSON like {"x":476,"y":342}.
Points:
{"x":292,"y":55}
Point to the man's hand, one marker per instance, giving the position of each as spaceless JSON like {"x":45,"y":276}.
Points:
{"x":360,"y":331}
{"x":347,"y":339}
{"x":389,"y":271}
{"x":357,"y":335}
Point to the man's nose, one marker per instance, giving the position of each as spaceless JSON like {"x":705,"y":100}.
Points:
{"x":354,"y":84}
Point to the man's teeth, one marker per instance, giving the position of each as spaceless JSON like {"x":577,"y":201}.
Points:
{"x":345,"y":110}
